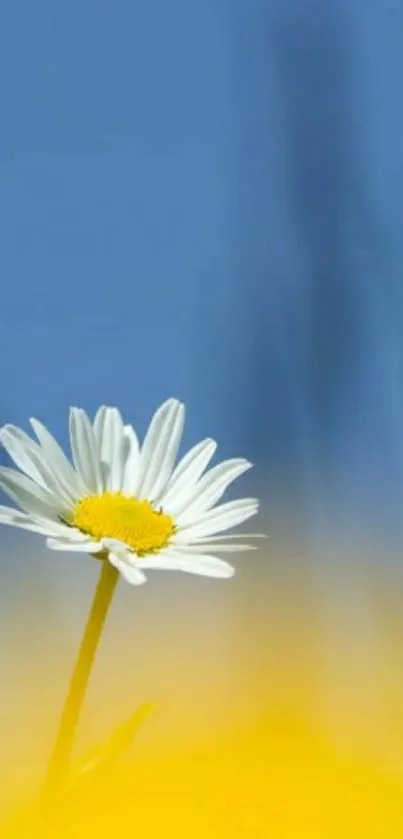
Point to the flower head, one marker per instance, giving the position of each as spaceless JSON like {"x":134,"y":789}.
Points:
{"x":123,"y":502}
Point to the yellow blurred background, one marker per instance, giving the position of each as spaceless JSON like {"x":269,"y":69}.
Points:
{"x":278,"y":698}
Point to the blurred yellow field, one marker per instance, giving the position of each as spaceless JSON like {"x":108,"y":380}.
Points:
{"x":284,"y":783}
{"x":270,"y":717}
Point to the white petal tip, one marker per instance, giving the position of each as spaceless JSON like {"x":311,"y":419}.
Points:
{"x":133,"y":576}
{"x":172,"y":402}
{"x":134,"y":580}
{"x":222,"y":574}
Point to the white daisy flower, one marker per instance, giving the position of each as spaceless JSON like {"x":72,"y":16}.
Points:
{"x":124,"y":502}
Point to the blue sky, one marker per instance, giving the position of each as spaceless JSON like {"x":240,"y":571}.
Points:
{"x":115,"y":164}
{"x":203,"y":199}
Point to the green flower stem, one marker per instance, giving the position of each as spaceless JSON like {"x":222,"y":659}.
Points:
{"x":59,"y":762}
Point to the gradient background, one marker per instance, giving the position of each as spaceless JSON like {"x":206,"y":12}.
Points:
{"x":203,"y":200}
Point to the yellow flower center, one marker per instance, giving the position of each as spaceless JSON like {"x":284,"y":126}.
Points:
{"x":134,"y":522}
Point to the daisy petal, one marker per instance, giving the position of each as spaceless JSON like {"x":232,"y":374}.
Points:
{"x":86,"y":547}
{"x":121,"y":561}
{"x":224,"y":547}
{"x":202,"y":539}
{"x":221,"y":518}
{"x":58,"y":529}
{"x":19,"y":446}
{"x":29,"y":457}
{"x":21,"y":520}
{"x":109,"y":435}
{"x":10,"y":513}
{"x":37,"y":524}
{"x":206,"y":566}
{"x":83,"y":449}
{"x":29,"y":496}
{"x":187,"y":473}
{"x":115,"y":429}
{"x":160,"y":448}
{"x":98,"y":426}
{"x":71,"y":480}
{"x":209,"y":490}
{"x":115,"y":546}
{"x":101,"y":440}
{"x":131,"y":464}
{"x":129,"y":573}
